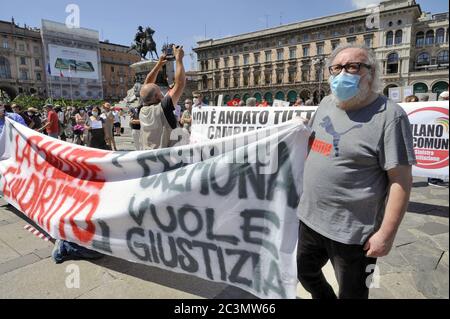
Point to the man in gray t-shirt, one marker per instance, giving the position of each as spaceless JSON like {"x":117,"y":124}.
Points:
{"x":357,"y":178}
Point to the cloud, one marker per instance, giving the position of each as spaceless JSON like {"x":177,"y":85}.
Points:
{"x":360,"y":4}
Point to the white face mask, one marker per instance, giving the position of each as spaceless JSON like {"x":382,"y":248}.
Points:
{"x":95,"y":113}
{"x":196,"y":101}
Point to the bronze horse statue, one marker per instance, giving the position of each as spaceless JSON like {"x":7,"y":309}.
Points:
{"x":144,"y":43}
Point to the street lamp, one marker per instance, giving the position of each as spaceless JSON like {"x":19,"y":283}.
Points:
{"x":319,"y":62}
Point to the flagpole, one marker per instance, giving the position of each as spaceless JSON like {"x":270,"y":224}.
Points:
{"x":60,"y":84}
{"x":50,"y":76}
{"x":70,"y":82}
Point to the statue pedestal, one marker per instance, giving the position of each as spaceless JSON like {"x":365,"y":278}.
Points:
{"x":143,"y":68}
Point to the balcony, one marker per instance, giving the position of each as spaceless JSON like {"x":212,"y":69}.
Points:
{"x":433,"y":67}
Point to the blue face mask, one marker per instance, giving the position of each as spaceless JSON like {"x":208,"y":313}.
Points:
{"x":345,"y":86}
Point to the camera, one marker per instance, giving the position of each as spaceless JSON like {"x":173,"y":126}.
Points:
{"x":168,"y":51}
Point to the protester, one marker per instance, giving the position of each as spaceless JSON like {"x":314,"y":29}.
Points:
{"x":97,"y":130}
{"x":443,"y":96}
{"x":17,"y":109}
{"x":108,"y":123}
{"x":357,"y":178}
{"x":61,"y":122}
{"x":135,"y":126}
{"x":251,"y":101}
{"x":186,"y":118}
{"x":6,"y":111}
{"x":437,"y":182}
{"x":198,"y":99}
{"x":241,"y":103}
{"x":33,"y":114}
{"x":156,"y":117}
{"x":424,"y":98}
{"x":52,"y":124}
{"x":298,"y":102}
{"x":309,"y":102}
{"x":264,"y":103}
{"x":116,"y":124}
{"x":411,"y":99}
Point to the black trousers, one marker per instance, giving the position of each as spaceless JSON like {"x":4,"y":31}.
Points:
{"x":349,"y":262}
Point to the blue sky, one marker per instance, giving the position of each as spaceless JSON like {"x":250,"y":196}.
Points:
{"x":183,"y":22}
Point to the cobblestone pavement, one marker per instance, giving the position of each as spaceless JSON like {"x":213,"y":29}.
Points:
{"x":417,"y":267}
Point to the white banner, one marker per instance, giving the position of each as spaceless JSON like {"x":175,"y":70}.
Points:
{"x":224,"y":210}
{"x":209,"y":123}
{"x":429,"y":121}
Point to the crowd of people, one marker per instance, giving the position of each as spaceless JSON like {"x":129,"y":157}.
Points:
{"x":93,"y":126}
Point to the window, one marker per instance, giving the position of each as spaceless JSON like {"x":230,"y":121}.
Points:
{"x":268,"y":77}
{"x":305,"y":51}
{"x":225,"y":62}
{"x":423,"y":59}
{"x":351,"y":40}
{"x":292,"y":75}
{"x":112,"y":69}
{"x":368,"y":42}
{"x":236,"y":80}
{"x":246,"y":77}
{"x":5,"y":70}
{"x":320,"y":48}
{"x":236,"y":61}
{"x":21,"y":47}
{"x":226,"y":82}
{"x":280,"y":76}
{"x":256,"y":78}
{"x":392,"y":63}
{"x":306,"y":37}
{"x":429,"y":39}
{"x":334,"y":44}
{"x":440,"y":35}
{"x":305,"y":75}
{"x":217,"y":62}
{"x":389,"y":38}
{"x":37,"y":62}
{"x":351,"y":30}
{"x":36,"y":49}
{"x":246,"y":59}
{"x":420,"y":39}
{"x":442,"y":57}
{"x":292,"y":53}
{"x":280,"y":55}
{"x":5,"y":44}
{"x":24,"y":75}
{"x":398,"y":37}
{"x":268,"y":56}
{"x":23,"y":61}
{"x":121,"y":80}
{"x":256,"y":57}
{"x":38,"y":76}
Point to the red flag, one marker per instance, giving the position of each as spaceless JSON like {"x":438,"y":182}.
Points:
{"x":61,"y":74}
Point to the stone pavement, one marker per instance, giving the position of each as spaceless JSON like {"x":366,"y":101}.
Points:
{"x":417,"y":267}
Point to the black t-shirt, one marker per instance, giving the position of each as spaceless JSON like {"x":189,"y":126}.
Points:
{"x":168,"y":109}
{"x":135,"y":116}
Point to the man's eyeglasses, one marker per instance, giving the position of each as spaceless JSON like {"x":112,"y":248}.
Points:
{"x":352,"y":68}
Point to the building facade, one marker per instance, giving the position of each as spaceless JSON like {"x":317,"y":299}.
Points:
{"x":24,"y":70}
{"x":22,"y":67}
{"x":288,"y":61}
{"x":118,"y":77}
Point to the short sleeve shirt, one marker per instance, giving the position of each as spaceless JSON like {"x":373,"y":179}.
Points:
{"x":345,"y":176}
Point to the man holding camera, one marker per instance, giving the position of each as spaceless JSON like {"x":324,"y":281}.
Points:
{"x":157,"y":117}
